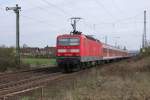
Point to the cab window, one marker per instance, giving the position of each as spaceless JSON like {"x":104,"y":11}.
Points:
{"x":68,"y":41}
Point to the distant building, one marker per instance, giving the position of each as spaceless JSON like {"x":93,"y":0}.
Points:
{"x":50,"y":51}
{"x":46,"y":52}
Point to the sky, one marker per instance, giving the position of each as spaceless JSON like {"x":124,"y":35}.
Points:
{"x":41,"y":21}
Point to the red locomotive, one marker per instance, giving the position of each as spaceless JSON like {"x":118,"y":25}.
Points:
{"x":76,"y":50}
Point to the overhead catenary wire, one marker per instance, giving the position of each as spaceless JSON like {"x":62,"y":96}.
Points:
{"x":39,"y":7}
{"x":120,"y":22}
{"x":116,"y":6}
{"x":35,"y":19}
{"x":52,"y":5}
{"x":31,"y":18}
{"x":117,"y":21}
{"x":126,"y":20}
{"x":129,"y":18}
{"x":1,"y":7}
{"x":107,"y":11}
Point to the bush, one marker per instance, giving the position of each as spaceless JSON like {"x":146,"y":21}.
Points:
{"x":7,"y":59}
{"x":145,"y":52}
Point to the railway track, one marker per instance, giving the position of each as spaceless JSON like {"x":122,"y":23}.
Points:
{"x":15,"y":76}
{"x":23,"y":85}
{"x":36,"y":81}
{"x":30,"y":81}
{"x":24,"y":80}
{"x":2,"y":75}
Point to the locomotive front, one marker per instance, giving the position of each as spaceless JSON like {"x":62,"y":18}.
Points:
{"x":68,"y":51}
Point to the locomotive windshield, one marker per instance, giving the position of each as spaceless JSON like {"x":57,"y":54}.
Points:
{"x":68,"y":41}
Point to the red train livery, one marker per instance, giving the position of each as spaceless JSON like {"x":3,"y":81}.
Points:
{"x":75,"y":51}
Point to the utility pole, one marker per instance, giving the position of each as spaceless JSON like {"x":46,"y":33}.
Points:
{"x":116,"y":41}
{"x":17,"y":11}
{"x":144,"y":39}
{"x":74,"y":21}
{"x":94,"y":28}
{"x":106,"y":39}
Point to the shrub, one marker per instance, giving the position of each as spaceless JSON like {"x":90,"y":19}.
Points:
{"x":145,"y":52}
{"x":7,"y":59}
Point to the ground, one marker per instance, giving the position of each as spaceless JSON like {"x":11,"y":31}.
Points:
{"x":125,"y":80}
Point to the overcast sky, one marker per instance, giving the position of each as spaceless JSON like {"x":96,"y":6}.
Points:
{"x":42,"y":20}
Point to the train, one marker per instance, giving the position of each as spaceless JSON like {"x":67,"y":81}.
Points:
{"x":78,"y":51}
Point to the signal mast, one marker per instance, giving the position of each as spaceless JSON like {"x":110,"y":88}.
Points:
{"x":74,"y":21}
{"x":16,"y":9}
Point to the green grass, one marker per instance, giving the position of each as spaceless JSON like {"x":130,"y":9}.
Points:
{"x":39,"y":61}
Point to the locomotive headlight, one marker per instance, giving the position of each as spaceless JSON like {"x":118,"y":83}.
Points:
{"x":75,"y":50}
{"x":62,"y":50}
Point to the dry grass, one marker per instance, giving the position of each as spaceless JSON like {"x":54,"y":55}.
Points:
{"x":125,"y":80}
{"x":128,"y":67}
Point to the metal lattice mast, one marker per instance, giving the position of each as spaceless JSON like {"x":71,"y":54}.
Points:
{"x":144,"y":41}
